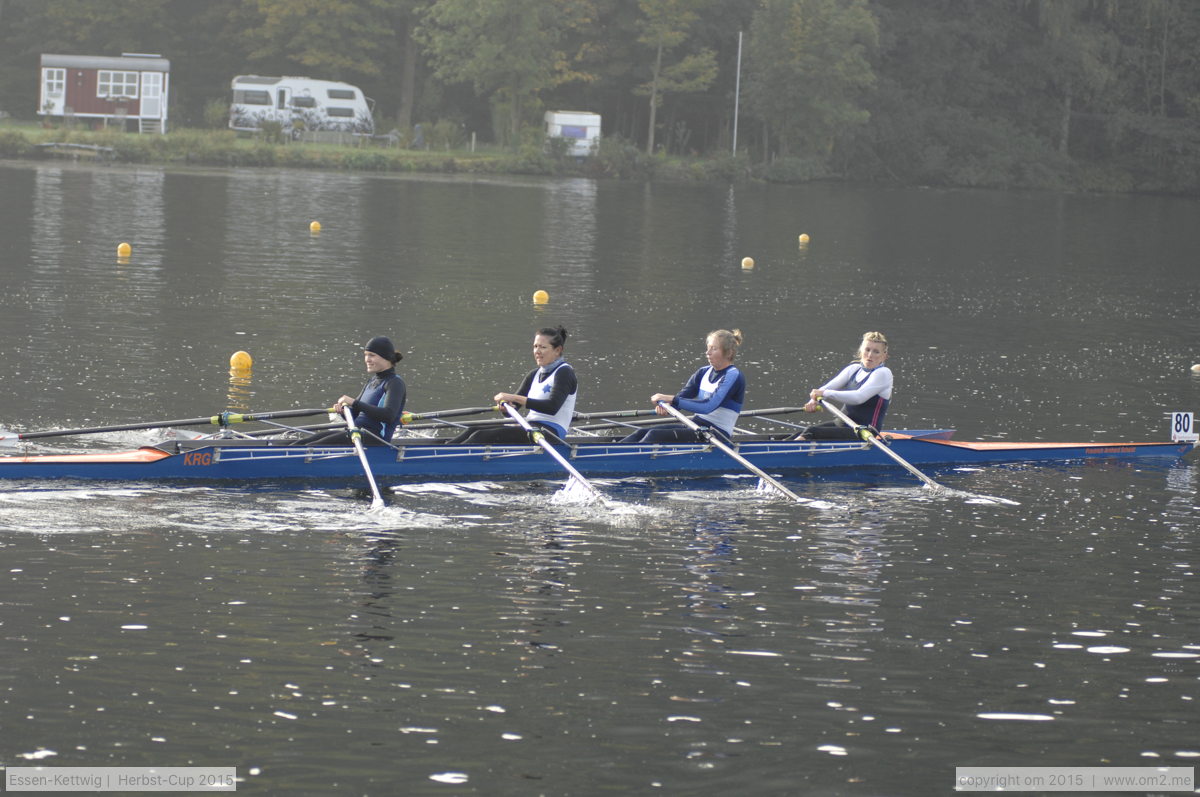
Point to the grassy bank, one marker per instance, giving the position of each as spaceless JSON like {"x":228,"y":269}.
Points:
{"x":616,"y":158}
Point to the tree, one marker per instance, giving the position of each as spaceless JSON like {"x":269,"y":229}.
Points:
{"x":330,"y":39}
{"x":664,"y":27}
{"x":1076,"y":54}
{"x":508,"y":51}
{"x":809,"y":70}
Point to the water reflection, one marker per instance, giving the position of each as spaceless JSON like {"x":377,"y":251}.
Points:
{"x":240,"y":395}
{"x":568,"y":232}
{"x":846,"y":586}
{"x":537,"y":585}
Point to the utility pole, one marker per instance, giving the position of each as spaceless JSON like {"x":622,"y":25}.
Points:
{"x":737,"y":91}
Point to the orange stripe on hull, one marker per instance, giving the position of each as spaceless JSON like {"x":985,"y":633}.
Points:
{"x":1002,"y":446}
{"x":140,"y":455}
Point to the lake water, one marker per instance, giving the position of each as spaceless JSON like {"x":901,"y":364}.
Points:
{"x":490,"y":639}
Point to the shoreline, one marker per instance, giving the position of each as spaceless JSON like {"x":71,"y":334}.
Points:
{"x":226,"y":149}
{"x":616,"y":159}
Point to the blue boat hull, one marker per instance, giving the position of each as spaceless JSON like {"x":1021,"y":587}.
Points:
{"x":239,"y":461}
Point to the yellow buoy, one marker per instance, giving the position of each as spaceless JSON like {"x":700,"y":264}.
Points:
{"x":314,"y":226}
{"x":1196,"y":368}
{"x":124,"y":249}
{"x":540,"y":297}
{"x":747,"y":262}
{"x":240,"y":361}
{"x":803,"y":238}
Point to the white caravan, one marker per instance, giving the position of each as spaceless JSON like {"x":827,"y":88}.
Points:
{"x":300,"y":104}
{"x":580,"y":128}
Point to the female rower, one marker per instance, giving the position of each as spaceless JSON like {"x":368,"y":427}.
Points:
{"x":715,"y":393}
{"x":864,"y":387}
{"x":377,"y":408}
{"x":548,"y":394}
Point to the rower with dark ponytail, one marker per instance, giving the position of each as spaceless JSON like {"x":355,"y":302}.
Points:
{"x":548,"y":394}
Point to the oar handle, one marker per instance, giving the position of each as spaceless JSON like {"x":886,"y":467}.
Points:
{"x":862,"y":432}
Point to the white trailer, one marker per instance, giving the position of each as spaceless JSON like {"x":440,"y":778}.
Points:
{"x":300,"y":104}
{"x":581,"y":128}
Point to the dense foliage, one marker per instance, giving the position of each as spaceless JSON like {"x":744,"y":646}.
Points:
{"x":1093,"y":94}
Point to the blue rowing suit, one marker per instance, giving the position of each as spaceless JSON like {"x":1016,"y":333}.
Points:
{"x":377,"y":408}
{"x":716,"y":397}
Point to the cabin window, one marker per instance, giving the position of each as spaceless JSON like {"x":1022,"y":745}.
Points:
{"x":117,"y":84}
{"x":340,"y":94}
{"x":251,"y":97}
{"x":304,"y":102}
{"x":574,"y":131}
{"x":340,"y":111}
{"x":56,"y":81}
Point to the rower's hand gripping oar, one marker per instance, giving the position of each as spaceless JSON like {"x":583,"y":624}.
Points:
{"x":868,"y":434}
{"x":719,"y":443}
{"x":539,"y":437}
{"x":356,"y":439}
{"x":222,"y":419}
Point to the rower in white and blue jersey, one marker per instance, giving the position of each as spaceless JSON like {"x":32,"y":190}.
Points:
{"x":863,"y":387}
{"x":715,"y":393}
{"x":548,"y":394}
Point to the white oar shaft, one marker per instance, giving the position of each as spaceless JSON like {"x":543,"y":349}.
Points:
{"x":745,"y":463}
{"x":356,"y":439}
{"x":540,"y":438}
{"x":866,"y":434}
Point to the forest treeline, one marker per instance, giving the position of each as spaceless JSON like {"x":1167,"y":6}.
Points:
{"x":1077,"y":94}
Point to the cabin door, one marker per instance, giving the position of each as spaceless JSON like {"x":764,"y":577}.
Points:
{"x":54,"y":83}
{"x":152,"y":85}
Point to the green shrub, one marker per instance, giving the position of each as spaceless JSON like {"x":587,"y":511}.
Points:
{"x":271,"y":131}
{"x":794,"y":170}
{"x":445,"y":135}
{"x":618,"y":157}
{"x":216,"y":114}
{"x":15,"y":145}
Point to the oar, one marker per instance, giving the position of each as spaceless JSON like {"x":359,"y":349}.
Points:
{"x":606,"y":418}
{"x":356,"y":438}
{"x":409,"y":417}
{"x":223,"y":419}
{"x":865,"y":433}
{"x":719,"y":443}
{"x":588,"y":416}
{"x":539,"y":437}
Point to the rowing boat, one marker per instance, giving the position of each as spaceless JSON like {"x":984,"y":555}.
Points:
{"x":431,"y":459}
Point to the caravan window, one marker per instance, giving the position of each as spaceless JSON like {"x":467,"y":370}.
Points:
{"x":341,"y":94}
{"x":251,"y":97}
{"x":117,"y":84}
{"x":340,"y":111}
{"x":304,"y":102}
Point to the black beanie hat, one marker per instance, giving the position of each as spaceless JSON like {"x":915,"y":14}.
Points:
{"x":383,"y":347}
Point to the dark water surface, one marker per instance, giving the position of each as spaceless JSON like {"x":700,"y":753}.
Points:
{"x":492,"y":639}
